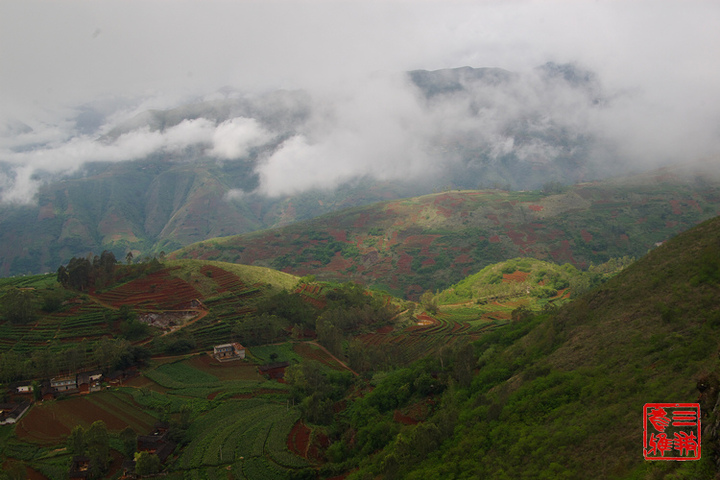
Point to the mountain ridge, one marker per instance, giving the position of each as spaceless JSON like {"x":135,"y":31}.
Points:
{"x":430,"y":242}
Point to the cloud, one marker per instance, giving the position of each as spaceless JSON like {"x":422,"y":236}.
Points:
{"x":62,"y":155}
{"x":234,"y":138}
{"x":19,"y":187}
{"x":653,"y":61}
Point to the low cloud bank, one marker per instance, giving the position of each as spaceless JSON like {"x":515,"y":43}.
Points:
{"x":465,"y":127}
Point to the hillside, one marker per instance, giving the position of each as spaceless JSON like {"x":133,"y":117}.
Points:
{"x":430,"y":242}
{"x":562,"y":396}
{"x":185,"y":297}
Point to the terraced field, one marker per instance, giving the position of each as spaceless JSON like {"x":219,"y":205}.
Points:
{"x":50,"y":423}
{"x":250,"y":436}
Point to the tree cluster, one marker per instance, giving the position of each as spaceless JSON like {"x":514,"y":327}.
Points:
{"x":93,"y":442}
{"x":106,"y":354}
{"x":83,"y":272}
{"x":316,"y":389}
{"x":18,"y":306}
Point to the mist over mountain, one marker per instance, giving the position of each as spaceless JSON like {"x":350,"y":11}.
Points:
{"x":263,"y":121}
{"x":464,"y":127}
{"x":158,"y":179}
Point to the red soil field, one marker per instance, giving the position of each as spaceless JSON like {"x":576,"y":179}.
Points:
{"x":158,"y":289}
{"x":463,"y":258}
{"x":299,"y":439}
{"x":585,"y":235}
{"x":235,"y":370}
{"x":563,"y":254}
{"x":425,"y":319}
{"x":404,"y":263}
{"x":314,"y":451}
{"x":49,"y":423}
{"x":536,"y":208}
{"x":517,"y":276}
{"x":423,"y":241}
{"x":226,"y":281}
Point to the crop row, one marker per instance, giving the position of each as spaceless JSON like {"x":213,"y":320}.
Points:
{"x":308,"y":289}
{"x":241,"y":429}
{"x":276,"y":445}
{"x":213,"y":334}
{"x":225,"y":280}
{"x":258,"y":468}
{"x":159,"y":289}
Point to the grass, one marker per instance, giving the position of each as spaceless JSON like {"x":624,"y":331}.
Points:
{"x":249,"y":274}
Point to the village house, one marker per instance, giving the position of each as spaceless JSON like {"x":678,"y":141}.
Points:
{"x":25,"y":388}
{"x":64,"y":383}
{"x":157,"y":442}
{"x":229,"y":351}
{"x":89,"y":382}
{"x":11,"y":412}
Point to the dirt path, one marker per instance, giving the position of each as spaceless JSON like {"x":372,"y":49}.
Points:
{"x":334,"y":357}
{"x":398,"y":315}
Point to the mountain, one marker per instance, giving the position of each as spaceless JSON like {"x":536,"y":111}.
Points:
{"x":151,"y":206}
{"x":430,"y":242}
{"x":162,"y":179}
{"x":562,"y":395}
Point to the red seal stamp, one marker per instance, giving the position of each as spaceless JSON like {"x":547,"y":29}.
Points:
{"x":671,"y":431}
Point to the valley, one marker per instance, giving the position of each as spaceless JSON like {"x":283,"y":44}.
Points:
{"x":513,"y":333}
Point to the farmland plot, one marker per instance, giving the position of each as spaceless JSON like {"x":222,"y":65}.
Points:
{"x":253,"y":432}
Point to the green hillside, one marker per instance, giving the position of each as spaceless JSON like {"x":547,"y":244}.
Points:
{"x":431,"y":242}
{"x":502,"y":375}
{"x":561,"y":396}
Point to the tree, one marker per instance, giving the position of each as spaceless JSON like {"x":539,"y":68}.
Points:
{"x":52,"y":300}
{"x":129,"y":258}
{"x":98,"y":447}
{"x":78,"y":273}
{"x":429,"y":301}
{"x":17,"y":306}
{"x":129,"y":441}
{"x":11,"y":367}
{"x":76,"y":441}
{"x":329,"y":335}
{"x":146,"y":463}
{"x":37,"y":391}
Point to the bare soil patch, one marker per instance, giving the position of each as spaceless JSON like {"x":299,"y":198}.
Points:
{"x":299,"y":439}
{"x":237,"y":370}
{"x":516,"y":276}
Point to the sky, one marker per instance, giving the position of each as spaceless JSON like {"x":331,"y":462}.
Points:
{"x":656,"y":59}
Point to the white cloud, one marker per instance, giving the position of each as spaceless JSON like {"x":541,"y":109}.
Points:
{"x":234,"y":138}
{"x":349,"y":55}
